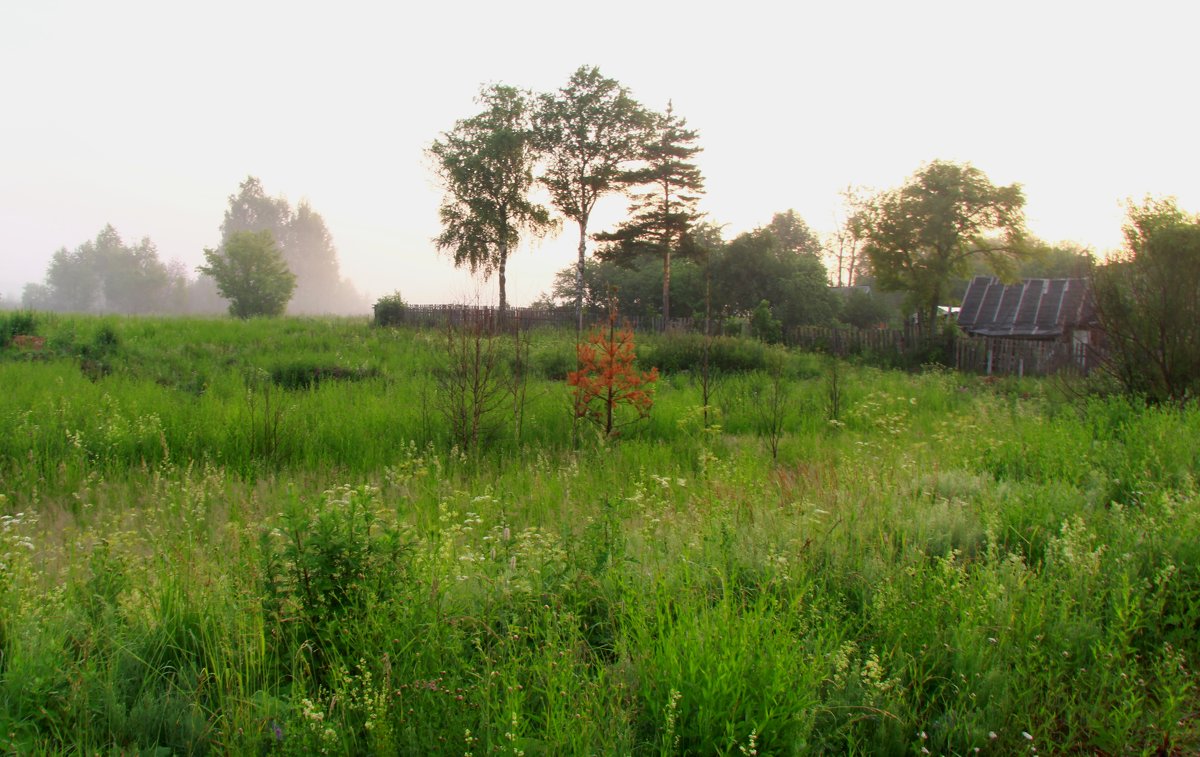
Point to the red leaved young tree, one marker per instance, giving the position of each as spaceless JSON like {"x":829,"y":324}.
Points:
{"x":607,"y":379}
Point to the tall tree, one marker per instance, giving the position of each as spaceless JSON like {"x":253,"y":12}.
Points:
{"x":587,"y":132}
{"x":661,"y":216}
{"x":252,"y":210}
{"x":920,"y":235}
{"x":311,"y":255}
{"x":486,"y":166}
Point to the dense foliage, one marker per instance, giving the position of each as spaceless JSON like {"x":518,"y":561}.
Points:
{"x":304,"y":242}
{"x":1148,"y":302}
{"x":485,"y":164}
{"x":778,"y":263}
{"x":251,"y":274}
{"x":196,"y":559}
{"x":921,"y":235}
{"x":108,"y":275}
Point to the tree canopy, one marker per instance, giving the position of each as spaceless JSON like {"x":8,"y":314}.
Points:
{"x":1148,"y":303}
{"x":789,"y":275}
{"x":486,"y":165}
{"x":920,"y":235}
{"x":744,"y":271}
{"x":250,"y":272}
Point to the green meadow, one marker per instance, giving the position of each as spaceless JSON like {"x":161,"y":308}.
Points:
{"x":262,"y":537}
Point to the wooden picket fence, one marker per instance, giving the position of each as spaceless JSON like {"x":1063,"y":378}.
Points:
{"x":1021,"y":357}
{"x":488,"y":317}
{"x":986,"y":355}
{"x":847,"y":341}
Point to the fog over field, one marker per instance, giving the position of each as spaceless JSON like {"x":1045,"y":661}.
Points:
{"x":148,"y":116}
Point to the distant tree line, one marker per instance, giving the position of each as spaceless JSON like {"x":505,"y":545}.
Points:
{"x":107,"y":275}
{"x":896,"y":252}
{"x":778,"y":264}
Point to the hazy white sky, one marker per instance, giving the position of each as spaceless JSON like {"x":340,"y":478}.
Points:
{"x":147,"y":115}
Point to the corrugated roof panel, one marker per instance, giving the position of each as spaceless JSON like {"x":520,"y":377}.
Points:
{"x":1048,"y":314}
{"x":987,"y":310}
{"x":968,"y":316}
{"x":1026,"y":316}
{"x":1033,"y":308}
{"x":1072,"y":302}
{"x":1006,"y":311}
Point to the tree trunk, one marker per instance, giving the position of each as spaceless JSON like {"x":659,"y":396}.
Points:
{"x":666,"y":287}
{"x":503,"y":297}
{"x":666,"y":258}
{"x":579,"y":278}
{"x":931,"y":324}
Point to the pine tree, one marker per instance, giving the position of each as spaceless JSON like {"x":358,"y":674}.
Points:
{"x":663,"y":214}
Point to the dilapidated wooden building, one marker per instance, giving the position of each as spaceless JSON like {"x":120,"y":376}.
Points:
{"x":1035,"y":326}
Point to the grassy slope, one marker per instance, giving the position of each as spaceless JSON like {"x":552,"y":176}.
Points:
{"x":196,"y":559}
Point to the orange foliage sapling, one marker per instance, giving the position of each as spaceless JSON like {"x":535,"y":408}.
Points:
{"x":607,"y":379}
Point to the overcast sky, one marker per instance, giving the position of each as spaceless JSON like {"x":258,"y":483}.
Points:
{"x":147,"y":115}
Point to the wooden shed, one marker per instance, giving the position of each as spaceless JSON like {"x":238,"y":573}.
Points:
{"x":1032,"y":326}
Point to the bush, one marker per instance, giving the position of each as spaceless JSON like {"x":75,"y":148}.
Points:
{"x":308,"y":374}
{"x":389,"y":310}
{"x":554,"y":361}
{"x":685,"y":352}
{"x":764,"y":325}
{"x":12,"y":324}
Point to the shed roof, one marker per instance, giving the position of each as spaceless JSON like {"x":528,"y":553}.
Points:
{"x":1036,"y":308}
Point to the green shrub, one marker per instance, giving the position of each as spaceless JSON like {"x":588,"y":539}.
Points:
{"x":12,"y":324}
{"x":685,"y":352}
{"x":553,"y":361}
{"x":764,"y":325}
{"x":309,"y":374}
{"x":389,"y":310}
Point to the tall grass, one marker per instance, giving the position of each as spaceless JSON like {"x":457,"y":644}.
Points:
{"x":200,"y":555}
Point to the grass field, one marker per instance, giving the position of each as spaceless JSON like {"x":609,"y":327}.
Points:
{"x":261,"y":537}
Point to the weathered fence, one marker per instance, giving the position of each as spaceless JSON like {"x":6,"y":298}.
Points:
{"x":988,"y":355}
{"x":847,"y":341}
{"x":485,"y":316}
{"x":1021,"y":357}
